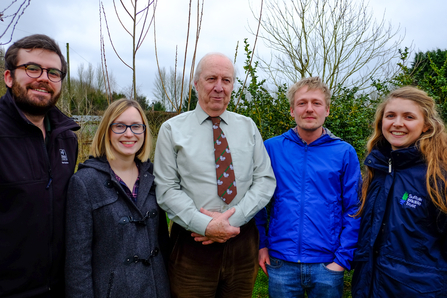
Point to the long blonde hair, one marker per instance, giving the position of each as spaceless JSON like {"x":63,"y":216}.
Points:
{"x":432,"y":144}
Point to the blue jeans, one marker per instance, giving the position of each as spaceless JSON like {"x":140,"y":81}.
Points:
{"x":288,"y":279}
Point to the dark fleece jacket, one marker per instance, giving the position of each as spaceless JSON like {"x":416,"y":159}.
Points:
{"x":34,"y":175}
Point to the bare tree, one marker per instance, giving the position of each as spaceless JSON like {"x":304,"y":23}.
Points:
{"x":140,"y":22}
{"x":174,"y":102}
{"x":168,"y":89}
{"x":11,"y":13}
{"x":338,"y":40}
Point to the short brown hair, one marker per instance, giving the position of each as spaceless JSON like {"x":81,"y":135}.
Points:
{"x":313,"y":83}
{"x":101,"y":140}
{"x":36,"y":41}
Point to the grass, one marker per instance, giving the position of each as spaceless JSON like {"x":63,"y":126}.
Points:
{"x":261,"y":285}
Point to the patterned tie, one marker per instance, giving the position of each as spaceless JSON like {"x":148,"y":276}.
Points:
{"x":226,"y":182}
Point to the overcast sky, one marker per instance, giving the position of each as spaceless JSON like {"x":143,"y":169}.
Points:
{"x":225,"y":23}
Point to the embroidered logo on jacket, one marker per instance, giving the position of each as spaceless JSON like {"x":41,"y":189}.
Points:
{"x":410,"y":200}
{"x":64,"y":156}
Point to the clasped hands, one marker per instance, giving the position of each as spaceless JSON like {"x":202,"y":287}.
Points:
{"x":218,"y":229}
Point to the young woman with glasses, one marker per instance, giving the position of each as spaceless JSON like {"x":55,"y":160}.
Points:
{"x":117,"y":235}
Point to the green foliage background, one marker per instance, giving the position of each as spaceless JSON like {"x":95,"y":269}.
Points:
{"x":351,"y":112}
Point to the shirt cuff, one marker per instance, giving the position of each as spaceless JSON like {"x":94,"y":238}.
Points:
{"x":199,"y":223}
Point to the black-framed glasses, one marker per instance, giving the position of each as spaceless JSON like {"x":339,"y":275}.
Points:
{"x":35,"y":71}
{"x":120,"y":128}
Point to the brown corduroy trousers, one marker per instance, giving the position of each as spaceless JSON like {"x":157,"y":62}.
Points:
{"x":221,"y":270}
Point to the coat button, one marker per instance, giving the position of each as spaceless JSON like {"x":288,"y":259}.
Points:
{"x":153,"y":213}
{"x":154,"y":252}
{"x":136,"y":259}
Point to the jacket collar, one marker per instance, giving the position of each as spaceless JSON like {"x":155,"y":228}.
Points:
{"x":146,"y":177}
{"x":101,"y":164}
{"x":380,"y":157}
{"x":326,"y":137}
{"x":58,"y":120}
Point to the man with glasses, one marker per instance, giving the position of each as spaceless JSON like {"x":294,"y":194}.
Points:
{"x":38,"y":152}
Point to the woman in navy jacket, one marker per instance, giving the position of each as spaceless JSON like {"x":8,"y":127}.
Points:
{"x":116,"y":233}
{"x":402,"y":247}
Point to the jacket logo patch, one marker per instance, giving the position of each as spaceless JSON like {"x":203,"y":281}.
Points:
{"x":64,"y":156}
{"x":410,"y":200}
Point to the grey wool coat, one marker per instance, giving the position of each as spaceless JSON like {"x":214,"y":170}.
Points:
{"x":114,"y":247}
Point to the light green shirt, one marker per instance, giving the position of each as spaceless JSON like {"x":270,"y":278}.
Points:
{"x":185,"y":173}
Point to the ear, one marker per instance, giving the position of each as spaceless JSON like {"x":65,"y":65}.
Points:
{"x":327,"y":112}
{"x":291,"y":112}
{"x":8,"y":78}
{"x":426,"y":127}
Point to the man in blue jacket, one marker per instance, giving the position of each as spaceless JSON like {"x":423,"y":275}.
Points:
{"x":311,"y":234}
{"x":38,"y":151}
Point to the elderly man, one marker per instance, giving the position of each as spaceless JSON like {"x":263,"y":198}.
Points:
{"x":38,"y":155}
{"x":213,"y":175}
{"x":312,"y":234}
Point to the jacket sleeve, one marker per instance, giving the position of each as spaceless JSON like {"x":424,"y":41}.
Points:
{"x":350,"y":185}
{"x":261,"y":223}
{"x":163,"y":237}
{"x":79,"y":237}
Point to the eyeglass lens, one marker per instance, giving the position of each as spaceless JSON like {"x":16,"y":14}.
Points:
{"x":121,"y":128}
{"x":35,"y":71}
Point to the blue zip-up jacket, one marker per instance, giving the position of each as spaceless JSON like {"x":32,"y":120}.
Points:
{"x":402,"y":248}
{"x":316,"y":192}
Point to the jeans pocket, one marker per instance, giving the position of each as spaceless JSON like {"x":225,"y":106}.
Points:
{"x":332,"y":271}
{"x":275,"y":263}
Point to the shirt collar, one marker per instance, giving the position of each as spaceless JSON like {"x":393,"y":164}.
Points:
{"x":202,"y":116}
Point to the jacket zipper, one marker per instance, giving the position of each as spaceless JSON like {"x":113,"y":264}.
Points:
{"x":48,"y":188}
{"x":302,"y":201}
{"x":389,"y":165}
{"x":50,"y":180}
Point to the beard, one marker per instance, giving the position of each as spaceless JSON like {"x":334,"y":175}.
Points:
{"x":40,"y":105}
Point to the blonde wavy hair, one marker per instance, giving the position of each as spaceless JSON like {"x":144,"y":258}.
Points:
{"x":432,"y":144}
{"x":101,"y":141}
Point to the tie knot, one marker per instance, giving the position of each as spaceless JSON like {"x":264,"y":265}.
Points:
{"x":215,"y":120}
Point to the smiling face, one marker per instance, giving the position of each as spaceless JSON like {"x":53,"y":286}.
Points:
{"x":34,"y":96}
{"x":215,"y":84}
{"x":310,"y":111}
{"x":402,"y":123}
{"x":126,"y":145}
